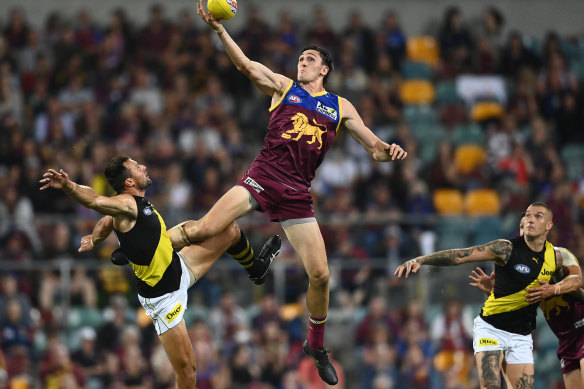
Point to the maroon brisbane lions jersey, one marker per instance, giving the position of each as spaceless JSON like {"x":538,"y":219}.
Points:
{"x":302,"y":128}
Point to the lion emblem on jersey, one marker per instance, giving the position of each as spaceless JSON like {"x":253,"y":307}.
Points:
{"x":554,"y":306}
{"x":302,"y":126}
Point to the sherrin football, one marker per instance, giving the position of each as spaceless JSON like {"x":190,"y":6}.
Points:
{"x":222,"y":9}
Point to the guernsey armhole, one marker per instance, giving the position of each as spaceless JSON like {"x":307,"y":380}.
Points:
{"x":273,"y":107}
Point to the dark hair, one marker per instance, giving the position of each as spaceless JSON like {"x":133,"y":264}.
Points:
{"x":543,"y":205}
{"x":325,"y":55}
{"x":116,"y":172}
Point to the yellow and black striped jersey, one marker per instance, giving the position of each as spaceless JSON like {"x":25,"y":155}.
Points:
{"x":507,"y":308}
{"x":156,"y":266}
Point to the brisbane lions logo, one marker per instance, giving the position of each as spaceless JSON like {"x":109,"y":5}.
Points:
{"x":554,"y":306}
{"x":303,"y":127}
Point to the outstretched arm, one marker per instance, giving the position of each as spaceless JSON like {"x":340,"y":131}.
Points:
{"x":497,"y":250}
{"x":102,"y":229}
{"x":267,"y":81}
{"x":114,"y":206}
{"x":379,"y":150}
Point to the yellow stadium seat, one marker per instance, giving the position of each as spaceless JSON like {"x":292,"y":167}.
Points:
{"x":468,"y":157}
{"x":486,"y":110}
{"x":482,"y":202}
{"x":448,"y":201}
{"x":423,"y":49}
{"x":417,"y":92}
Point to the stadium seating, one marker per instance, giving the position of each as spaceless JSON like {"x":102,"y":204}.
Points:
{"x":486,"y":110}
{"x":423,"y":48}
{"x":482,"y":202}
{"x":428,"y":137}
{"x":467,"y":158}
{"x":446,"y":93}
{"x":422,"y":114}
{"x":451,"y":232}
{"x":467,"y":134}
{"x":448,"y":201}
{"x":417,"y":92}
{"x":416,"y":70}
{"x":485,"y":229}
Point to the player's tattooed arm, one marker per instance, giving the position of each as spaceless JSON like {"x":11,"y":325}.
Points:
{"x":497,"y":250}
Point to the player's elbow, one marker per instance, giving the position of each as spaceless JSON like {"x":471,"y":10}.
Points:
{"x":245,"y":67}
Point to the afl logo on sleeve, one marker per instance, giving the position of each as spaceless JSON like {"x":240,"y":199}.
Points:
{"x":523,"y":269}
{"x":147,"y":211}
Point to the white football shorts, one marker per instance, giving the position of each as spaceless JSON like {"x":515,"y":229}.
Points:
{"x":168,"y":310}
{"x":517,"y":349}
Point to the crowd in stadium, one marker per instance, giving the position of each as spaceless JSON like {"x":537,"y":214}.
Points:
{"x":74,"y":93}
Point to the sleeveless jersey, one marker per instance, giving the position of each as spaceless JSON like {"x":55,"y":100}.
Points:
{"x":506,"y":308}
{"x":156,"y":266}
{"x":302,"y":128}
{"x":565,"y":314}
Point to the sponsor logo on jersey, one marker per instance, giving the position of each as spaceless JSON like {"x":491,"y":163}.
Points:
{"x":546,"y":272}
{"x":251,"y":182}
{"x":562,"y":363}
{"x":170,"y":316}
{"x":488,"y":342}
{"x":326,"y":111}
{"x":523,"y":269}
{"x":535,"y":259}
{"x":294,"y":99}
{"x":147,"y":211}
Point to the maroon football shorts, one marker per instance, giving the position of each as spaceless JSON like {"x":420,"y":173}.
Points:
{"x":278,"y":200}
{"x":571,"y":351}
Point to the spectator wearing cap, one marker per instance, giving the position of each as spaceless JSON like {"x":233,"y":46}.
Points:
{"x":86,"y":356}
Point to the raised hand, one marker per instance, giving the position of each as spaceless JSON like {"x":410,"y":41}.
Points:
{"x":54,"y":179}
{"x":396,"y":151}
{"x":86,"y":244}
{"x":482,"y":281}
{"x":410,"y":266}
{"x":207,"y":17}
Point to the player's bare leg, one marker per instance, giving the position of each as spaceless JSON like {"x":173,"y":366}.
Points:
{"x":180,"y":352}
{"x":521,"y":375}
{"x":489,"y":365}
{"x":231,"y":206}
{"x":575,"y":378}
{"x":309,"y":245}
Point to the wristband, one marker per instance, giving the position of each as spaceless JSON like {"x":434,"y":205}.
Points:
{"x":221,"y":31}
{"x":73,"y":185}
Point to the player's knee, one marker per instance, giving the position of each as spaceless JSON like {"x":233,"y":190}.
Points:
{"x":186,"y":376}
{"x":206,"y":228}
{"x":233,"y":232}
{"x":319,"y":278}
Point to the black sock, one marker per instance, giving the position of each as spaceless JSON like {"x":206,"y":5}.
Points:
{"x":242,"y":252}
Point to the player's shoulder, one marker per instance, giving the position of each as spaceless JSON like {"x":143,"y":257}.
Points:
{"x":567,"y":256}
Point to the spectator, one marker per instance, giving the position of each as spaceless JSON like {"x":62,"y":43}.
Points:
{"x":394,"y":40}
{"x":87,"y":357}
{"x":17,"y":215}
